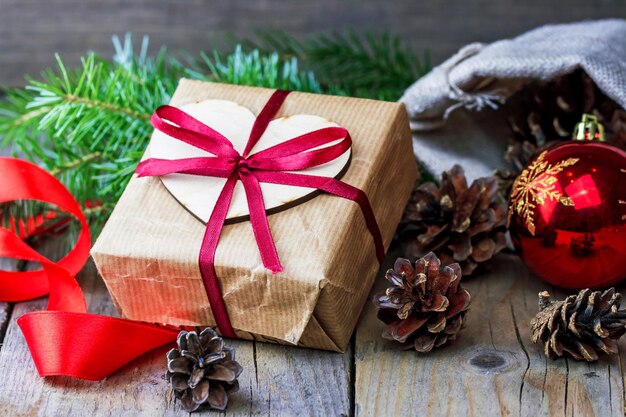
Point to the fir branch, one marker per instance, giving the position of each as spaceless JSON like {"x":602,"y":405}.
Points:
{"x":377,"y":66}
{"x":31,"y":115}
{"x":254,"y":69}
{"x":16,"y":118}
{"x":78,"y":122}
{"x":89,"y":125}
{"x":102,"y":105}
{"x":75,"y":164}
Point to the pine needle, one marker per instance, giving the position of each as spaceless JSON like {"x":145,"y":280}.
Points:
{"x":376,"y":66}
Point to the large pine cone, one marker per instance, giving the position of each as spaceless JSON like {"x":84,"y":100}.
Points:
{"x":202,"y":370}
{"x":543,"y":113}
{"x":425,"y":306}
{"x":460,"y":224}
{"x":581,"y":326}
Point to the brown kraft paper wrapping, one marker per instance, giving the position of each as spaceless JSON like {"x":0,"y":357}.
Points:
{"x":148,"y":251}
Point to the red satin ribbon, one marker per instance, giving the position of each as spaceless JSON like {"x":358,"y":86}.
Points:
{"x":268,"y":166}
{"x":64,"y":340}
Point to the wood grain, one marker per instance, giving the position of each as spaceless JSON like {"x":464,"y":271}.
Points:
{"x":32,"y":30}
{"x":291,"y":381}
{"x":277,"y":380}
{"x":492,"y":369}
{"x":5,"y":314}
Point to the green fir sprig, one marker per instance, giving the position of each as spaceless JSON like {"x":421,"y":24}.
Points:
{"x":89,"y":125}
{"x":255,"y":69}
{"x":375,"y":65}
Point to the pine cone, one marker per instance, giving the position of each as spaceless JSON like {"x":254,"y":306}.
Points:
{"x":505,"y":179}
{"x":581,"y":326}
{"x":459,"y":224}
{"x":615,"y":128}
{"x":543,"y":113}
{"x":425,"y":306}
{"x":202,"y":370}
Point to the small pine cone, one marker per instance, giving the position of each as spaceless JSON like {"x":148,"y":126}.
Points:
{"x":581,"y":326}
{"x":458,"y":223}
{"x":505,"y":179}
{"x":202,"y":370}
{"x":616,"y":128}
{"x":519,"y":154}
{"x":425,"y":306}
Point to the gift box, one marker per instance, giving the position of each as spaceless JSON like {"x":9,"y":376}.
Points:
{"x":148,"y":252}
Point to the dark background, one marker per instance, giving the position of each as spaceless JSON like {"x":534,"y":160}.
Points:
{"x":32,"y":30}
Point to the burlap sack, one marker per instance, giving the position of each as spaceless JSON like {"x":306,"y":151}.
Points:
{"x":483,"y":76}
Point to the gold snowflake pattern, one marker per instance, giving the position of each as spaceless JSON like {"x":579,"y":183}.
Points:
{"x":534,"y":186}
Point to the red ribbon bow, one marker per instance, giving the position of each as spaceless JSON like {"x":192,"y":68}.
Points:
{"x":268,"y":166}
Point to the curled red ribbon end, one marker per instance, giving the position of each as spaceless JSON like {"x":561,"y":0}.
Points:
{"x":268,"y":166}
{"x":65,"y":339}
{"x":87,"y":346}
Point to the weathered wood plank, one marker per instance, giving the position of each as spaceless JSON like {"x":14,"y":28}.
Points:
{"x":5,"y":308}
{"x":32,"y":30}
{"x":5,"y":265}
{"x":5,"y":312}
{"x":492,"y":369}
{"x":277,"y":380}
{"x":291,"y":381}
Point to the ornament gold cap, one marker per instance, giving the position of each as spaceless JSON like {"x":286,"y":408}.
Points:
{"x":589,"y":129}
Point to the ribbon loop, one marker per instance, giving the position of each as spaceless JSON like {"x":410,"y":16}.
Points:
{"x":303,"y":151}
{"x":180,"y":125}
{"x":265,"y":117}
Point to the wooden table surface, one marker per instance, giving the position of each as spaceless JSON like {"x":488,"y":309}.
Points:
{"x":491,"y":370}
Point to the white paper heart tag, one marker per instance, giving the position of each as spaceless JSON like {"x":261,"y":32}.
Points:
{"x":199,"y":194}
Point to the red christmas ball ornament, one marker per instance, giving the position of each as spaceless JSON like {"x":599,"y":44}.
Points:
{"x":567,"y":212}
